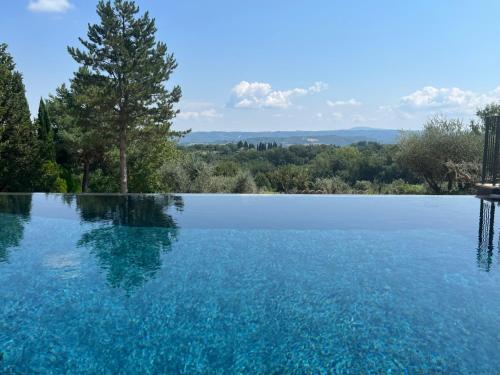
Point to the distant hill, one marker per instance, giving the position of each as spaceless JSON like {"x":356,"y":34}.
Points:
{"x":287,"y":138}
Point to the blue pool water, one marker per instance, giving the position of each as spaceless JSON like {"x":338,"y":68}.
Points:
{"x":248,"y":284}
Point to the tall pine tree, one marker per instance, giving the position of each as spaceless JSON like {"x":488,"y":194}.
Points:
{"x":18,"y":147}
{"x":122,"y":52}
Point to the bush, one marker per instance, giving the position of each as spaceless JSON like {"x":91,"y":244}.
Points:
{"x":175,"y":178}
{"x":262,"y":181}
{"x":103,"y":183}
{"x":51,"y":180}
{"x":227,"y":168}
{"x":401,"y":187}
{"x":214,"y":184}
{"x":244,"y":183}
{"x":334,"y":185}
{"x":364,"y":187}
{"x":290,"y":179}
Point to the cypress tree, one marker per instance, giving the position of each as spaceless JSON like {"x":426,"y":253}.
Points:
{"x":18,"y":146}
{"x":45,"y":133}
{"x":122,"y":53}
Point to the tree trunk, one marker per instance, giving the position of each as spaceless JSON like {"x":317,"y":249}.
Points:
{"x":123,"y":160}
{"x":433,"y":185}
{"x":86,"y":177}
{"x":450,"y":184}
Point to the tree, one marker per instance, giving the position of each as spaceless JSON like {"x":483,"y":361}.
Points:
{"x":491,"y":109}
{"x":445,"y":152}
{"x":45,"y":133}
{"x":83,"y":131}
{"x":122,"y":51}
{"x":18,"y":145}
{"x":290,"y":179}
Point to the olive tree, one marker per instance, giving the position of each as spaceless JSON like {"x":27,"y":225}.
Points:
{"x":446,"y":153}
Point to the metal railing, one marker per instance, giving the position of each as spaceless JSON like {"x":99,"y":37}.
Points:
{"x":490,"y":152}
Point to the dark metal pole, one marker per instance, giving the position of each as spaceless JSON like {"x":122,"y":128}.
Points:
{"x":485,"y":149}
{"x":495,"y":153}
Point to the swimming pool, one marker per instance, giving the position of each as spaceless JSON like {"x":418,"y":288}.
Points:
{"x":248,"y":284}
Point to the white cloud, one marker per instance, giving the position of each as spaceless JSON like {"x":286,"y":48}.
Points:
{"x":343,"y":103}
{"x":262,"y":95}
{"x":318,"y":87}
{"x":451,"y":100}
{"x":49,"y":6}
{"x":205,"y":114}
{"x":337,"y":115}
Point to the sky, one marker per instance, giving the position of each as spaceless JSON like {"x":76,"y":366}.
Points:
{"x":290,"y":64}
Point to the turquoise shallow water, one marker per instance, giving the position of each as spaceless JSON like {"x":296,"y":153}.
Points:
{"x":248,"y":284}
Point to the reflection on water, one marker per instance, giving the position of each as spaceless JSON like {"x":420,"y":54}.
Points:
{"x":130,"y":234}
{"x":486,"y":235}
{"x":14,"y":214}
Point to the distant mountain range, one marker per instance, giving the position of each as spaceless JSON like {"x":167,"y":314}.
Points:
{"x":287,"y":138}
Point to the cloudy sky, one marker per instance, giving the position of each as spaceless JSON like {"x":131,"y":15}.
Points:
{"x":291,"y":64}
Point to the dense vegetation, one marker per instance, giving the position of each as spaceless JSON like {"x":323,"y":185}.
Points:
{"x":109,"y":130}
{"x":445,"y":157}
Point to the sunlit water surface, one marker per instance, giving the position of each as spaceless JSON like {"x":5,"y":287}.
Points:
{"x":248,"y":284}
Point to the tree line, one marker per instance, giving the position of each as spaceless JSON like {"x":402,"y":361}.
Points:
{"x":110,"y":130}
{"x":442,"y":158}
{"x":113,"y":119}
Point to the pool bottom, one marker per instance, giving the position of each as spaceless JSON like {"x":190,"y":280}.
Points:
{"x":100,"y":298}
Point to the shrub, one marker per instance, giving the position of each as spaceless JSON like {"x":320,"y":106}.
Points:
{"x":244,"y":183}
{"x":262,"y":181}
{"x":401,"y":187}
{"x":227,"y":168}
{"x":290,"y":179}
{"x":334,"y":185}
{"x":175,"y":178}
{"x":51,"y":180}
{"x":103,"y":183}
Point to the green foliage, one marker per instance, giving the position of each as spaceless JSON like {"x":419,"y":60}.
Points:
{"x":244,"y":183}
{"x":122,"y":55}
{"x":334,"y":185}
{"x":19,"y":162}
{"x":492,"y":109}
{"x":262,"y":181}
{"x":364,"y":187}
{"x":83,"y":136}
{"x":400,"y":186}
{"x":52,"y":179}
{"x":438,"y":154}
{"x":73,"y":183}
{"x":147,"y":156}
{"x":227,"y":168}
{"x":290,"y":179}
{"x":362,"y":168}
{"x":45,"y":133}
{"x":103,"y":182}
{"x":175,"y":177}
